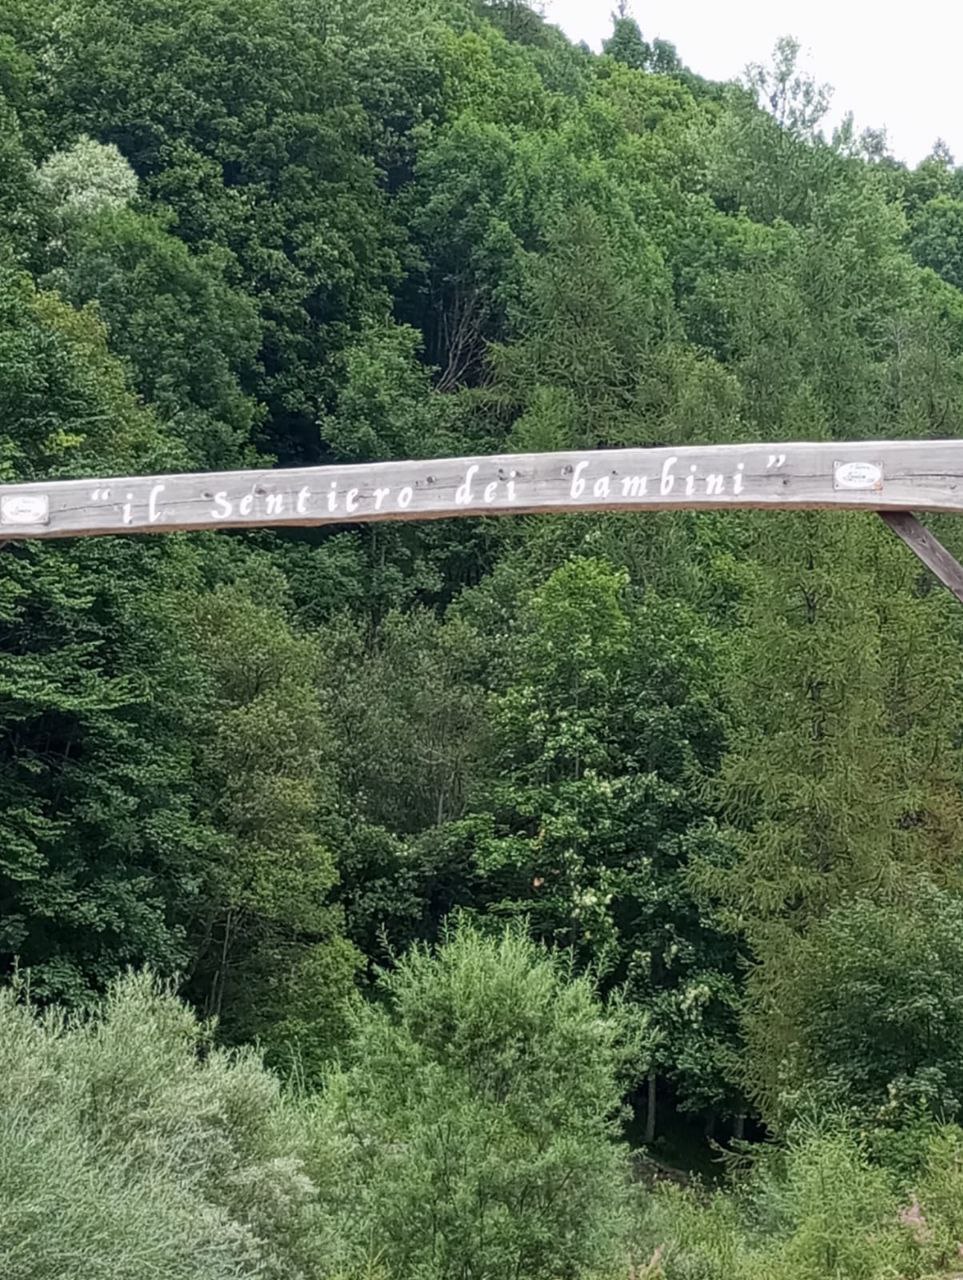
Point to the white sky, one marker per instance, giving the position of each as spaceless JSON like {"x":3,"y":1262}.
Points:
{"x":895,"y":66}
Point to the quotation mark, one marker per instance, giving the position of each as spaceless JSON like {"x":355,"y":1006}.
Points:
{"x":100,"y":495}
{"x":775,"y":460}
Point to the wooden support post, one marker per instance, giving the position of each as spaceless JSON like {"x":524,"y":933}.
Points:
{"x":928,"y":548}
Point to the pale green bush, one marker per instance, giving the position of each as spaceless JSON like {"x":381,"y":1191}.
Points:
{"x":701,"y":1237}
{"x":836,"y":1214}
{"x":816,"y":1210}
{"x":937,"y":1201}
{"x":87,"y":179}
{"x":131,"y":1149}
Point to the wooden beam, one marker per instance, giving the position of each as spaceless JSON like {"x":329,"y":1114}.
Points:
{"x":929,"y":549}
{"x":921,"y":475}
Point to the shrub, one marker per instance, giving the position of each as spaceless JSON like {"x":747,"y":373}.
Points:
{"x":479,"y":1117}
{"x":816,"y":1209}
{"x":130,"y":1149}
{"x":938,"y":1197}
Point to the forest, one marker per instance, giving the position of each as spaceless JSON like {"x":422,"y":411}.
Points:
{"x":551,"y":898}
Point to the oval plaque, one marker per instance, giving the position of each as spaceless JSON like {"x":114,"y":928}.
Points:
{"x":858,"y":475}
{"x":24,"y":508}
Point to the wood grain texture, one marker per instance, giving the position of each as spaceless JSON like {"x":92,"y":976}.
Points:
{"x":895,"y":475}
{"x":929,"y":549}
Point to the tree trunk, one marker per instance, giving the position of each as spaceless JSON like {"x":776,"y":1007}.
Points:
{"x":650,"y":1108}
{"x":738,"y":1127}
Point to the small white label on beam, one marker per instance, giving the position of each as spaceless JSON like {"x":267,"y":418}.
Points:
{"x":857,"y":475}
{"x":25,"y":508}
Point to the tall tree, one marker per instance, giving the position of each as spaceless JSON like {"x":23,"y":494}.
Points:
{"x":844,"y":673}
{"x":604,"y":729}
{"x":626,"y":44}
{"x":99,"y":845}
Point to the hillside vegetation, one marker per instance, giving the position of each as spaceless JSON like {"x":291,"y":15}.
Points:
{"x":508,"y":844}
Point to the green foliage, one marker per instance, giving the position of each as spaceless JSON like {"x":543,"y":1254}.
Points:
{"x":938,"y":1195}
{"x":604,"y":731}
{"x":829,"y":738}
{"x":242,"y":120}
{"x":873,"y":1010}
{"x":478,"y":1114}
{"x":95,"y":825}
{"x":19,"y":199}
{"x":626,"y":45}
{"x":164,"y":1157}
{"x":188,"y":337}
{"x":408,"y":717}
{"x":711,"y":761}
{"x":487,"y":1076}
{"x":936,"y":236}
{"x":267,"y":956}
{"x":162,"y":777}
{"x":818,"y":1209}
{"x":86,"y":179}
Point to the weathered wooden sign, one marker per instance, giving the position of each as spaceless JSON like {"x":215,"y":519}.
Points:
{"x":882,"y":475}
